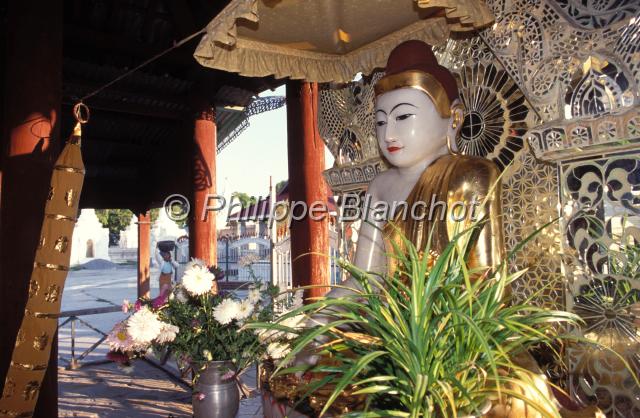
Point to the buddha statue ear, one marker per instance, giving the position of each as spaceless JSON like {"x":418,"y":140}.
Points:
{"x":455,"y":123}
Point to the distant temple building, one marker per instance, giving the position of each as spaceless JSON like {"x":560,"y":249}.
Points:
{"x":129,"y":237}
{"x":90,"y":239}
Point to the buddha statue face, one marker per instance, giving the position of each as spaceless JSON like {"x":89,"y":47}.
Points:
{"x":409,"y":128}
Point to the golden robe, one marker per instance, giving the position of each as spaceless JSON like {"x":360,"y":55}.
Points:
{"x":461,"y":183}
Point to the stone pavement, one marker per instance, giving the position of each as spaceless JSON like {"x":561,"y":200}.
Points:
{"x":106,"y":391}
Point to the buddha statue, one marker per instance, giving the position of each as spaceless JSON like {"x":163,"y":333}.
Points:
{"x":418,"y":115}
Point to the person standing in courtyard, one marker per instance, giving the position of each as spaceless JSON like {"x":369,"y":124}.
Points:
{"x":167,"y":270}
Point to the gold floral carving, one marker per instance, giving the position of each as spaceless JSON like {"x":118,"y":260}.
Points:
{"x":40,"y":341}
{"x":34,"y":287}
{"x":69,"y":196}
{"x":30,"y":391}
{"x":61,"y":245}
{"x":52,"y":294}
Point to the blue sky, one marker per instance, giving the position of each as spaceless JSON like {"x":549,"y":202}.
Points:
{"x":259,"y":152}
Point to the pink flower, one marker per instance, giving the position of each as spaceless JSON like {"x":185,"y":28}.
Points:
{"x":228,"y":375}
{"x":125,"y":306}
{"x":119,"y":339}
{"x":160,"y":300}
{"x":200,"y":396}
{"x":137,"y":306}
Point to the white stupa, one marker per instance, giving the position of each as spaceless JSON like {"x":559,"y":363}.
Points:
{"x":90,"y":239}
{"x":129,"y":237}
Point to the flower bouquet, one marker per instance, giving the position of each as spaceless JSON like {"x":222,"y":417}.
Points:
{"x":202,"y":328}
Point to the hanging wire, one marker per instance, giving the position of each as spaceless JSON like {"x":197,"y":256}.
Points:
{"x":145,"y":63}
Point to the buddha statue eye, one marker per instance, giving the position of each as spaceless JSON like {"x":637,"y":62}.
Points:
{"x":404,"y":116}
{"x":381,"y":123}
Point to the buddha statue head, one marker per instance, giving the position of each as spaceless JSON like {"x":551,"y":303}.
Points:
{"x":418,"y":113}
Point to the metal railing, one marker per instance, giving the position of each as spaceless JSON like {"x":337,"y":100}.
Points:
{"x":75,"y":362}
{"x":73,"y":317}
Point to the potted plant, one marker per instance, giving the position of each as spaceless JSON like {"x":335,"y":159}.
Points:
{"x":204,"y":330}
{"x":433,"y":340}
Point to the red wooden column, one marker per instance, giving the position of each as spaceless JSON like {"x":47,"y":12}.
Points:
{"x":309,"y":237}
{"x":31,"y":141}
{"x":144,"y":255}
{"x":202,"y":233}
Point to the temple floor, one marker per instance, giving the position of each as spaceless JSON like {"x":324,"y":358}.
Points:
{"x":105,"y":391}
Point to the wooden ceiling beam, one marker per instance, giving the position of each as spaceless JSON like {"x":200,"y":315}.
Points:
{"x":116,"y":106}
{"x":74,"y":85}
{"x":132,"y":109}
{"x":106,"y":43}
{"x":183,"y":18}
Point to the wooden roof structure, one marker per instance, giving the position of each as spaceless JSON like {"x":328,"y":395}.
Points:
{"x":137,"y":146}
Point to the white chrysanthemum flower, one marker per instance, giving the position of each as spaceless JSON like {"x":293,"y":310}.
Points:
{"x":277,"y":350}
{"x":168,"y":333}
{"x":295,"y":322}
{"x":198,"y":280}
{"x":246,"y":309}
{"x":195,"y":262}
{"x":254,"y":296}
{"x":144,"y":326}
{"x":266,"y":335}
{"x":226,"y":311}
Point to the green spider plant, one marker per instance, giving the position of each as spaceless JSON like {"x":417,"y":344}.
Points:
{"x":436,"y":339}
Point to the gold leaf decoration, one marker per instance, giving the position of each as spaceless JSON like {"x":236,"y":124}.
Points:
{"x":61,"y":245}
{"x":34,"y":287}
{"x":53,"y":292}
{"x":30,"y":391}
{"x":29,"y":360}
{"x":40,"y":341}
{"x":69,"y":196}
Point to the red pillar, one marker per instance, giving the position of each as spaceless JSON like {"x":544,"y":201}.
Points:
{"x":202,"y":234}
{"x":309,"y":237}
{"x":30,"y":143}
{"x":144,"y":259}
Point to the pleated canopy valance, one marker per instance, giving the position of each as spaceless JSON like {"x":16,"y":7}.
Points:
{"x":327,"y":40}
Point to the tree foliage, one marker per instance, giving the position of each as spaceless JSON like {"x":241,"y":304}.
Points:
{"x":116,"y":220}
{"x":245,"y":199}
{"x":280,"y":185}
{"x":154,"y":214}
